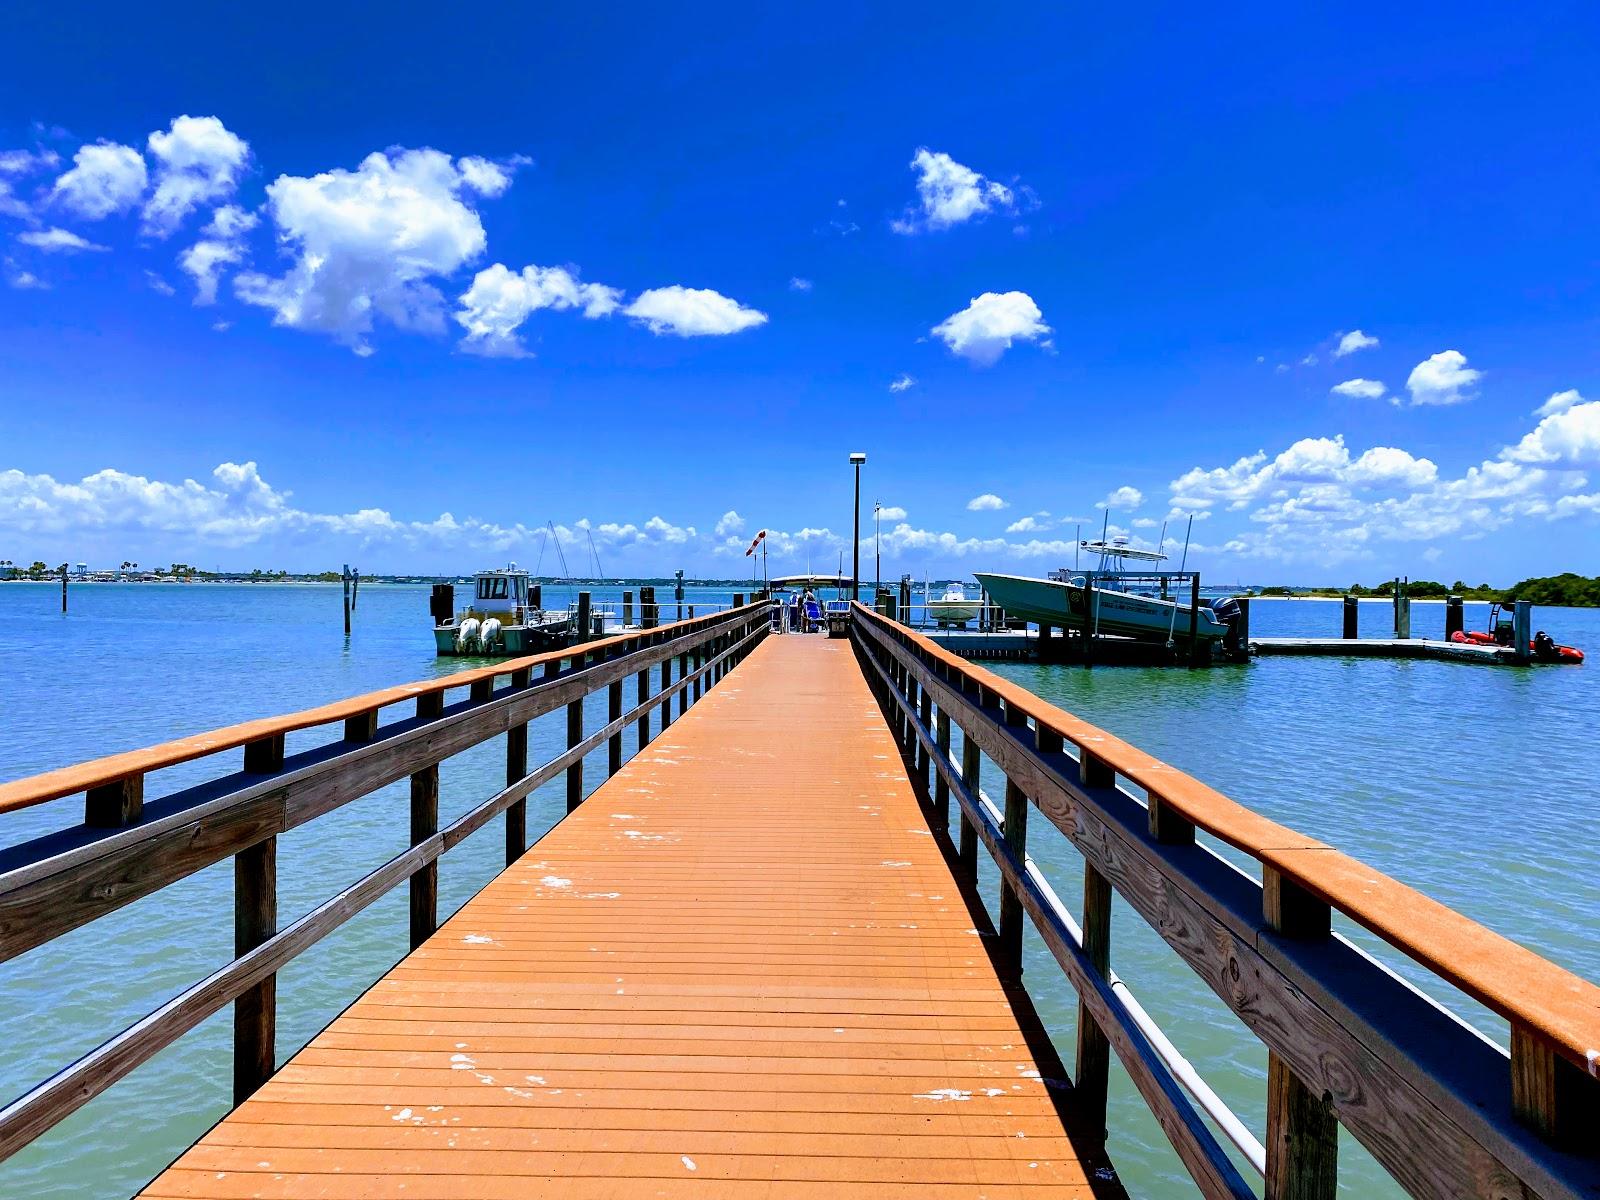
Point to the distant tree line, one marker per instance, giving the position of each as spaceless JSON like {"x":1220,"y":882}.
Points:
{"x":1563,"y":591}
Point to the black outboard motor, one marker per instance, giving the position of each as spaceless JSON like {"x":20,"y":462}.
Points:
{"x":442,"y":603}
{"x":1236,"y":617}
{"x":1544,"y":647}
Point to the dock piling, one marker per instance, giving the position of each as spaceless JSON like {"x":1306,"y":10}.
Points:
{"x":1522,"y":630}
{"x":64,"y":589}
{"x":627,"y":610}
{"x":1454,"y":616}
{"x":1352,"y":618}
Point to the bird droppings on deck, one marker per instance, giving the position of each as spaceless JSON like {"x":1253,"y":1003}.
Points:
{"x":737,"y":865}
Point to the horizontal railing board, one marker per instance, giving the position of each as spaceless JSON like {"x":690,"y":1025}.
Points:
{"x":1506,"y":977}
{"x":1444,"y":1089}
{"x":43,"y":898}
{"x":67,"y":781}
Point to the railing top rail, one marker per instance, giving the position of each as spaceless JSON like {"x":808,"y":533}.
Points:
{"x":1508,"y":978}
{"x":80,"y":777}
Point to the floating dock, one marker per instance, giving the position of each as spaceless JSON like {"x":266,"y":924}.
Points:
{"x":1387,"y":648}
{"x":755,"y":960}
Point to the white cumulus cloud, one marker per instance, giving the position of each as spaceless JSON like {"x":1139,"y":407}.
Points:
{"x":1443,"y":378}
{"x":1350,"y":342}
{"x":692,"y":312}
{"x":891,"y":512}
{"x":105,"y":178}
{"x":1559,"y":402}
{"x":729,"y":523}
{"x":198,"y":160}
{"x":949,"y":194}
{"x":1568,"y":435}
{"x":365,"y":245}
{"x":1123,"y":497}
{"x":985,"y":329}
{"x":221,"y":244}
{"x":903,"y":383}
{"x":56,"y":241}
{"x":1363,"y":389}
{"x":500,"y":300}
{"x":988,"y":502}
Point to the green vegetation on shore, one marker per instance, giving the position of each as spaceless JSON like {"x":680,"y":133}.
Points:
{"x":1563,"y":591}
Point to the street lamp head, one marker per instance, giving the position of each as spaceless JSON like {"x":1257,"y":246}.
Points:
{"x":858,"y":458}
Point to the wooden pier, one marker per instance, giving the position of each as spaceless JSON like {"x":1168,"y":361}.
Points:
{"x":755,"y":959}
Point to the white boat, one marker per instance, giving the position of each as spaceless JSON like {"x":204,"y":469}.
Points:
{"x":498,"y":620}
{"x":952,"y":608}
{"x":1111,"y":599}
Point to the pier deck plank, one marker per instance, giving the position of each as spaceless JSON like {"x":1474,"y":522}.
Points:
{"x":742,"y":967}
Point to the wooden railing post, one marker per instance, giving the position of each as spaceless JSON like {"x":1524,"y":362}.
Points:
{"x":666,"y":682}
{"x":972,"y":776}
{"x":941,"y":785}
{"x":1094,"y":1051}
{"x":516,"y":768}
{"x":574,"y":736}
{"x":683,"y":673}
{"x":925,"y":716}
{"x":1553,"y":1096}
{"x":424,"y":884}
{"x":1012,"y":916}
{"x":642,"y":693}
{"x":1302,"y":1132}
{"x":114,"y":804}
{"x":255,"y":1012}
{"x":613,"y":715}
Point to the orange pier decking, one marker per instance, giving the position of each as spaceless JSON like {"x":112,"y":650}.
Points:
{"x":743,"y":966}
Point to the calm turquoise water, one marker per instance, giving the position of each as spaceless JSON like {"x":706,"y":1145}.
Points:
{"x":1390,"y":761}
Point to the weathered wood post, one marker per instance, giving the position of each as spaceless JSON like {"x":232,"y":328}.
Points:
{"x":1012,"y":917}
{"x":648,"y":613}
{"x":347,"y":599}
{"x":1455,"y":617}
{"x":63,"y":588}
{"x":1094,"y":1051}
{"x":642,"y":689}
{"x":677,"y":593}
{"x":1352,"y":617}
{"x":1522,"y":630}
{"x":972,"y":777}
{"x":516,"y":768}
{"x":1302,"y":1132}
{"x":738,"y":599}
{"x":905,"y":601}
{"x":424,"y":883}
{"x":666,"y":682}
{"x":1402,"y":611}
{"x":941,"y":738}
{"x":1194,"y":620}
{"x":627,"y":610}
{"x":255,"y":1012}
{"x":614,"y":715}
{"x":574,"y":736}
{"x":585,"y":628}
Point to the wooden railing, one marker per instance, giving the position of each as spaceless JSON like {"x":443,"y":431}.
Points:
{"x":1444,"y":1110}
{"x":126,"y":849}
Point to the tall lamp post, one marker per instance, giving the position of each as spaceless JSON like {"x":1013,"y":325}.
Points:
{"x":855,"y":544}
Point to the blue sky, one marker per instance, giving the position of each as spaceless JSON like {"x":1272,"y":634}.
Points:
{"x":659,"y":272}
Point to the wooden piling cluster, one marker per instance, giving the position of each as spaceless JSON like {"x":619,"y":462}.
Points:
{"x":125,"y":849}
{"x":1445,"y":1112}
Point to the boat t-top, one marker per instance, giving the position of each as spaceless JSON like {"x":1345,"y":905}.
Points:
{"x":1113,"y":598}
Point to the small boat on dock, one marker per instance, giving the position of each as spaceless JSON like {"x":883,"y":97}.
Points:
{"x":952,"y":609}
{"x":1112,"y":599}
{"x":502,"y":619}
